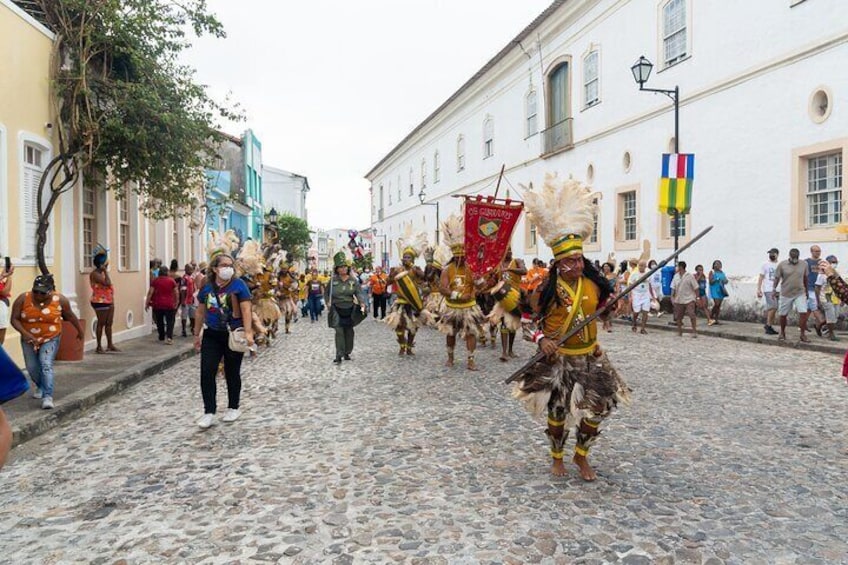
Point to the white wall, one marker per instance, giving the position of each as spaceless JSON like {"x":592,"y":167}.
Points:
{"x":745,"y":91}
{"x":284,"y":191}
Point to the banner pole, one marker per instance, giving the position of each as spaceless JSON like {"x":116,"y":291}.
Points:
{"x":498,"y":187}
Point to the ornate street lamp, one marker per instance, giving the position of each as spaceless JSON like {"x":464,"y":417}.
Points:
{"x":641,"y":70}
{"x":273,"y":216}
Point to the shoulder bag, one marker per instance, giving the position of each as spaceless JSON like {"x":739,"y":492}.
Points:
{"x":236,"y":342}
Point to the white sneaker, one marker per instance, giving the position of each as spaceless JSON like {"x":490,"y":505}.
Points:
{"x":206,"y":421}
{"x":36,"y":393}
{"x":231,"y":415}
{"x":47,"y":403}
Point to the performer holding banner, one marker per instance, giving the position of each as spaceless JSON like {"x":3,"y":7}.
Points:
{"x":575,"y":384}
{"x":407,"y":313}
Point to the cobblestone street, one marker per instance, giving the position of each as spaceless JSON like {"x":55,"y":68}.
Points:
{"x":730,"y":453}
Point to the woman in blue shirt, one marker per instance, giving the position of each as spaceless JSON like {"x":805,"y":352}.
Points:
{"x":223,"y":304}
{"x":718,"y":288}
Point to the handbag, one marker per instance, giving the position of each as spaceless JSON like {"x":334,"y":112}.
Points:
{"x":13,"y":383}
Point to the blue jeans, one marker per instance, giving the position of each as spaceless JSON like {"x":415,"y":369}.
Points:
{"x":314,"y":306}
{"x":39,"y":363}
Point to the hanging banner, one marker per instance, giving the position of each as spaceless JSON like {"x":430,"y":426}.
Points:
{"x":488,"y":231}
{"x":675,"y":191}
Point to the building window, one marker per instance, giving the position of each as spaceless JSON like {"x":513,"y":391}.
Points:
{"x":557,"y":136}
{"x":460,"y":153}
{"x":89,"y":224}
{"x":591,"y":82}
{"x":594,"y":237}
{"x":436,"y":167}
{"x":175,"y":245}
{"x":533,"y":240}
{"x":411,"y":187}
{"x":34,"y":160}
{"x":423,"y":174}
{"x":824,"y":190}
{"x":488,"y":138}
{"x":124,"y":232}
{"x":674,"y":32}
{"x":627,"y":205}
{"x":530,"y":111}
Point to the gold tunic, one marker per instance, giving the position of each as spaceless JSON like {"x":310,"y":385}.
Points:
{"x":461,"y":281}
{"x":576,"y":305}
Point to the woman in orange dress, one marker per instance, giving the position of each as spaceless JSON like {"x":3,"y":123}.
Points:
{"x":102,"y":299}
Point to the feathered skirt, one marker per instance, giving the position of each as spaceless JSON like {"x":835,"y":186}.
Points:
{"x":287,"y":307}
{"x":268,"y":310}
{"x":435,"y":305}
{"x":510,"y":320}
{"x":462,"y":322}
{"x":586,"y":386}
{"x":403,"y":316}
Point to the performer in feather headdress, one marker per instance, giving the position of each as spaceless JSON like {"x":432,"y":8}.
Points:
{"x":287,"y":287}
{"x":510,"y":272}
{"x":407,"y":314}
{"x":461,"y":316}
{"x":575,"y":385}
{"x":250,"y":266}
{"x":435,"y":258}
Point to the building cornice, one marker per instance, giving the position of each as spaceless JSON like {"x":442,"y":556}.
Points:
{"x":29,"y":12}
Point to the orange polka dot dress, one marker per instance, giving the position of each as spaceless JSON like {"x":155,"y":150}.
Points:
{"x":43,"y":322}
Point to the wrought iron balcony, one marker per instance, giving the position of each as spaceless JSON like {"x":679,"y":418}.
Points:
{"x":557,"y":137}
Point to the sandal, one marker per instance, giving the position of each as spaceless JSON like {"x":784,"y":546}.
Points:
{"x":99,"y":350}
{"x":804,"y":339}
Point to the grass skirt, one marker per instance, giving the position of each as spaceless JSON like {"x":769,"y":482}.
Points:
{"x":435,"y":305}
{"x":405,"y":316}
{"x":268,"y":310}
{"x":462,"y":322}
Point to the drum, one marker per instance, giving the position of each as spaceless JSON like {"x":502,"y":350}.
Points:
{"x":406,"y":289}
{"x":507,"y":296}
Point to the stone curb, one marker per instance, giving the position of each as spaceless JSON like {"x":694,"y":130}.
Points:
{"x":76,"y":404}
{"x":724,"y":334}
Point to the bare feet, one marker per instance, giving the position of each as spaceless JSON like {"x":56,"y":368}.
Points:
{"x":504,"y":358}
{"x":472,"y":366}
{"x":586,"y":470}
{"x":99,"y":350}
{"x":512,"y":355}
{"x":558,"y":468}
{"x":449,"y":362}
{"x":113,"y":349}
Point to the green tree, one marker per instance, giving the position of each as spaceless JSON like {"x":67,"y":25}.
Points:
{"x":128,"y":114}
{"x":293,"y":235}
{"x":361,"y":263}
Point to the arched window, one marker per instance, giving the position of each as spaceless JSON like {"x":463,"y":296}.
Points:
{"x":436,"y":167}
{"x":423,"y":174}
{"x":591,"y":82}
{"x":488,"y":138}
{"x":530,"y":113}
{"x":411,"y":188}
{"x":557,"y":136}
{"x":460,"y":153}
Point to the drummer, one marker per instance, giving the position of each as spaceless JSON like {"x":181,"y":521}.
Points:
{"x":406,"y":311}
{"x":511,"y":271}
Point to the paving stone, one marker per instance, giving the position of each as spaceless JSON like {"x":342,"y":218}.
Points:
{"x":388,"y":459}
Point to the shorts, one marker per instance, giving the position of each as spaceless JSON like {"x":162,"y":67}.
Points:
{"x":641,"y":304}
{"x":187,"y":311}
{"x":812,"y":302}
{"x":771,"y":302}
{"x":4,"y":315}
{"x":681,"y":310}
{"x":830,"y":315}
{"x":784,"y":305}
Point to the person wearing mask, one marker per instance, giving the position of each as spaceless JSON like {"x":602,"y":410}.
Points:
{"x":102,"y":298}
{"x":835,"y":291}
{"x":766,"y":289}
{"x":224,"y":302}
{"x":684,"y":296}
{"x":315,"y":289}
{"x":346,"y":306}
{"x":5,"y":298}
{"x":164,"y":297}
{"x":790,"y":282}
{"x":718,"y":289}
{"x":814,"y":307}
{"x":38,"y":315}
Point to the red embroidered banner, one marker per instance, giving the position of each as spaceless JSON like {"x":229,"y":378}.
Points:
{"x":488,"y":231}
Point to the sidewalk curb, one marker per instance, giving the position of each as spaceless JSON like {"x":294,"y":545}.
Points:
{"x":75,"y":405}
{"x":789,"y":344}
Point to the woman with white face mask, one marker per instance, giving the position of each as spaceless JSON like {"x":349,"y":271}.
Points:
{"x":223,"y":304}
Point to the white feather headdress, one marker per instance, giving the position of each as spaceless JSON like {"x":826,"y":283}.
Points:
{"x":453,"y":230}
{"x":224,"y":243}
{"x":563,"y":213}
{"x":250,"y":259}
{"x":414,"y":244}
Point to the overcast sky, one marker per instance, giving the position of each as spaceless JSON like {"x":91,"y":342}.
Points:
{"x":331,"y":86}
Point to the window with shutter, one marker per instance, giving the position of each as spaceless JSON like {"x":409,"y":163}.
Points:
{"x":33,"y":170}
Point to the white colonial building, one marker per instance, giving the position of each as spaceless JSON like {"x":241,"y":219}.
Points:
{"x":763,"y":106}
{"x":284,"y":191}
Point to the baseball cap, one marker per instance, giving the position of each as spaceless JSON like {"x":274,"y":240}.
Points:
{"x":832,"y":259}
{"x":773,"y":250}
{"x":43,"y":283}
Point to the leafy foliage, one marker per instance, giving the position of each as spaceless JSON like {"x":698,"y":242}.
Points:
{"x":361,"y":263}
{"x":293,"y":235}
{"x":128,"y":113}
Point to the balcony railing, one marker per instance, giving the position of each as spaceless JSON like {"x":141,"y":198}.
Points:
{"x":557,"y":137}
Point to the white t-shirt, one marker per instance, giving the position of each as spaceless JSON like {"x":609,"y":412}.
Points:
{"x":768,"y":275}
{"x":641,"y":292}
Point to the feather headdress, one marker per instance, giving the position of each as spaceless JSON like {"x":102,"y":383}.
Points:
{"x":453,"y":230}
{"x":224,"y":243}
{"x":250,"y":258}
{"x":411,"y":244}
{"x":563,"y":213}
{"x":441,"y":256}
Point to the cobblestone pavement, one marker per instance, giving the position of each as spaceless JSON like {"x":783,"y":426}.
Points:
{"x":730,"y":453}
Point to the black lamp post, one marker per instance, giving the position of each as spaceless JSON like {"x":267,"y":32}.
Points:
{"x":272,"y":221}
{"x":641,"y":71}
{"x":421,"y":197}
